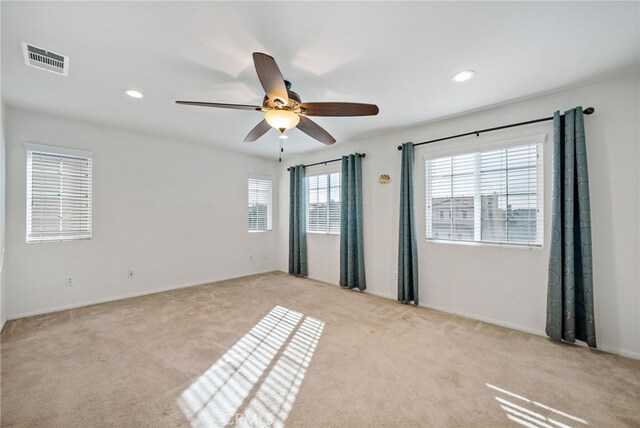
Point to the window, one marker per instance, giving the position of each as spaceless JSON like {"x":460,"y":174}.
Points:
{"x":323,"y":203}
{"x":492,"y":196}
{"x":259,"y":204}
{"x":58,"y":195}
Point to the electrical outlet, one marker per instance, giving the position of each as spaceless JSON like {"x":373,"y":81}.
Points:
{"x":395,"y":275}
{"x":68,"y":281}
{"x":130,"y":273}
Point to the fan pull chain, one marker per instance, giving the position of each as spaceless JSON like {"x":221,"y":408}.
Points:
{"x":281,"y":139}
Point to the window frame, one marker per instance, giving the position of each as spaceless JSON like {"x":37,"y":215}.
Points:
{"x":60,"y":152}
{"x":269,"y":205}
{"x":477,"y":150}
{"x":328,"y":174}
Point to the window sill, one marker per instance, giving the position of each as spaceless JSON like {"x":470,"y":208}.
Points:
{"x":486,"y":244}
{"x":323,"y":233}
{"x":44,"y":241}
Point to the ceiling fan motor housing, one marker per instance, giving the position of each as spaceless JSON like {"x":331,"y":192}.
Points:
{"x":294,"y":99}
{"x":290,"y":93}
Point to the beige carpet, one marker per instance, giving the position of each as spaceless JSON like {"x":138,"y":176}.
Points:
{"x":272,"y":350}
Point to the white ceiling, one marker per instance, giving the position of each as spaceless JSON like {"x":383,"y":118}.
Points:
{"x":399,"y":55}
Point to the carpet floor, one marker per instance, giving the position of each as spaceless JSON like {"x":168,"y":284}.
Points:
{"x":275,"y":350}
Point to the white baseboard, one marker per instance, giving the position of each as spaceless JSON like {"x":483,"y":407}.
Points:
{"x":541,"y":333}
{"x":123,"y":296}
{"x":621,"y":352}
{"x":373,"y":293}
{"x":324,"y":281}
{"x":487,"y":320}
{"x":536,"y":332}
{"x":452,"y":312}
{"x":386,"y":296}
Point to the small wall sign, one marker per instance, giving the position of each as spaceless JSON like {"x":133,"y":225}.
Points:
{"x":384,"y":179}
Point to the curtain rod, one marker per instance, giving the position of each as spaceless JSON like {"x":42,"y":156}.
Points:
{"x":588,"y":110}
{"x":364,"y":155}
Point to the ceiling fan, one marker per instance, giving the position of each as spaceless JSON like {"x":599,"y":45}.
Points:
{"x":283,"y":109}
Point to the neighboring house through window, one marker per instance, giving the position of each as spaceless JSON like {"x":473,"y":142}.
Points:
{"x":492,"y":195}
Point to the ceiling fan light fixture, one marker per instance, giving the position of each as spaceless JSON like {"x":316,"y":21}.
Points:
{"x":282,"y":119}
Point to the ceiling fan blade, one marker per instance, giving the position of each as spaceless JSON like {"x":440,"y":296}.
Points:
{"x":220,"y":105}
{"x":270,"y":77}
{"x":339,"y":109}
{"x":257,"y":132}
{"x":314,"y":130}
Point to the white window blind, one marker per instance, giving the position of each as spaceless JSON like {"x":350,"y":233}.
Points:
{"x":323,"y":203}
{"x":58,"y":196}
{"x":260,"y":204}
{"x":493,"y":196}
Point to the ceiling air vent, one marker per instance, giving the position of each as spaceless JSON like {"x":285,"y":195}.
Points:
{"x":45,"y":60}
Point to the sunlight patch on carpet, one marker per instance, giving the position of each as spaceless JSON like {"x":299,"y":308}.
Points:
{"x":274,"y":400}
{"x":235,"y":389}
{"x":524,"y":412}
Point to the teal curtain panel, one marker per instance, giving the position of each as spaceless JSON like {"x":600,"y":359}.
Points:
{"x":570,"y":312}
{"x":407,"y":243}
{"x":297,"y":222}
{"x":351,"y":234}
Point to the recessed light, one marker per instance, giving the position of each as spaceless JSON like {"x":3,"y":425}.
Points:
{"x":463,"y":76}
{"x":133,"y":93}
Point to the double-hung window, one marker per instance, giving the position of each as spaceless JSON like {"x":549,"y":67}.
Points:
{"x":323,"y":203}
{"x":260,"y":202}
{"x":58,"y":194}
{"x":493,"y":195}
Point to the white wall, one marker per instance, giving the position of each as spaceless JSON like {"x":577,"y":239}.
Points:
{"x":504,"y":285}
{"x":3,"y":311}
{"x":174,"y":212}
